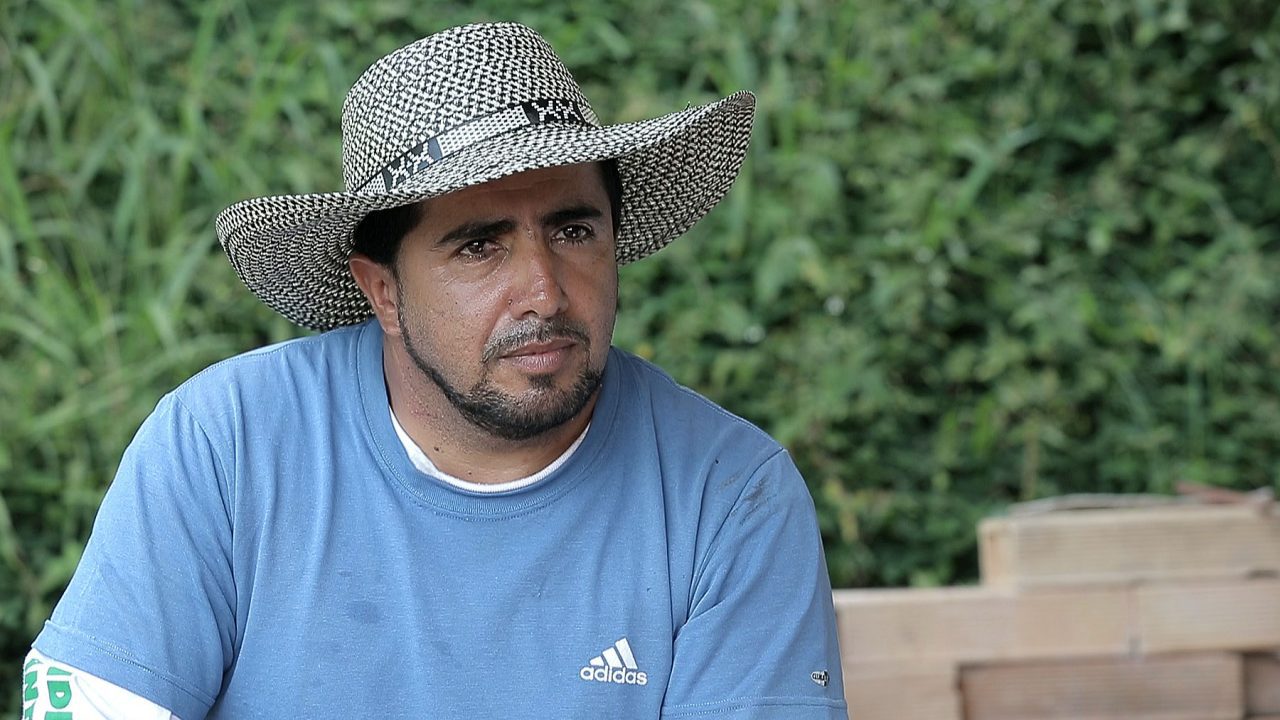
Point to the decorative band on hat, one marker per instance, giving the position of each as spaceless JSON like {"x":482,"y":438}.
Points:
{"x":441,"y":145}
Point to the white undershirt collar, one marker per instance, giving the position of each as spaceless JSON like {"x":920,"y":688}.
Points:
{"x":425,"y":466}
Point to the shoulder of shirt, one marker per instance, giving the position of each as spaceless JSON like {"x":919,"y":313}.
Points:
{"x":265,"y":366}
{"x":726,"y":468}
{"x":686,"y":402}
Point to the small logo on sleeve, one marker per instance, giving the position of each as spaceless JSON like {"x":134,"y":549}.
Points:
{"x":821,"y":677}
{"x":617,"y":664}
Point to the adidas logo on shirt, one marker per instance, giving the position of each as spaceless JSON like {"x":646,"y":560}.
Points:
{"x":616,"y":664}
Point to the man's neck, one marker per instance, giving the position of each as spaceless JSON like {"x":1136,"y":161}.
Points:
{"x":457,"y":446}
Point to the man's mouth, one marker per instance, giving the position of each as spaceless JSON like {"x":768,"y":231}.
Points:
{"x":540,"y":357}
{"x":539,"y":348}
{"x":532,"y":340}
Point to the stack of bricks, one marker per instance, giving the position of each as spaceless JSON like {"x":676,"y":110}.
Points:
{"x":1169,"y":613}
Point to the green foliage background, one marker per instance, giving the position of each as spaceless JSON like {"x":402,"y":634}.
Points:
{"x":982,"y":250}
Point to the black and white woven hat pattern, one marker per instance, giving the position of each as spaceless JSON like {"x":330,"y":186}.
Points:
{"x":459,"y":108}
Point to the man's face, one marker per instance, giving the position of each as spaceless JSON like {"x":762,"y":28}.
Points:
{"x":507,"y":294}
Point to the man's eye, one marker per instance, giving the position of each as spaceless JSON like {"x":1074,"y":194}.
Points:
{"x":575,"y":233}
{"x":476,"y":249}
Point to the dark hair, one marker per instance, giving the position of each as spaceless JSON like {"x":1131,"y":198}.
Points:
{"x":379,"y":234}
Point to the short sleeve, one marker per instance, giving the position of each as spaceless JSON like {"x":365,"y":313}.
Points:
{"x":151,"y":606}
{"x":760,"y":641}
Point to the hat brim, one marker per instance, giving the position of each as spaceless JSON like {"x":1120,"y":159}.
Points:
{"x":292,"y":250}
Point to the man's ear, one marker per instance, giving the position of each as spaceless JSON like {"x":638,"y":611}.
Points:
{"x":380,"y":287}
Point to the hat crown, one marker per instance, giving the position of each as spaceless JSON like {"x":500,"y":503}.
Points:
{"x":454,"y":84}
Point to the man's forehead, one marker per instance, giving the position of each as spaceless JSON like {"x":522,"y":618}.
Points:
{"x":547,"y":196}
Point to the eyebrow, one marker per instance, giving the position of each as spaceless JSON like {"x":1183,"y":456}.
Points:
{"x":582,"y":211}
{"x":475,"y":230}
{"x":480,"y":229}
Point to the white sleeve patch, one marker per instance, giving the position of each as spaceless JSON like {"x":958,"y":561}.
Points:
{"x":56,"y":691}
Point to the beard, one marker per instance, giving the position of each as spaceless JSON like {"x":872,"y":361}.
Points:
{"x":501,"y":414}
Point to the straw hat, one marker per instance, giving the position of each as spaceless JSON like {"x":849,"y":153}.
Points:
{"x":459,"y":108}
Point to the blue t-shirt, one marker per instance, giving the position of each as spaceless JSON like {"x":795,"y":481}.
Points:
{"x":267,"y":549}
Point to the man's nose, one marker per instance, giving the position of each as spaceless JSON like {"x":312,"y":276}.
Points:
{"x":537,"y":287}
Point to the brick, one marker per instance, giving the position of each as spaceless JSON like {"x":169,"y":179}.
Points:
{"x":975,"y":624}
{"x":1262,"y":684}
{"x":1237,"y":615}
{"x":1167,"y":543}
{"x":1190,"y":687}
{"x":905,"y":691}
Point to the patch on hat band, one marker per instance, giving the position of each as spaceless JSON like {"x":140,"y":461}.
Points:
{"x":437,"y":147}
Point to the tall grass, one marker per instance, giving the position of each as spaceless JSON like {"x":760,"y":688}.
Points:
{"x":112,"y":288}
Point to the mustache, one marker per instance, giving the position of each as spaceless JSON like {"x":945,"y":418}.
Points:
{"x":534,"y":331}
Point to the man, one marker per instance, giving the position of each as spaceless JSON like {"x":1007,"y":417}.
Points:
{"x":468,"y":505}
